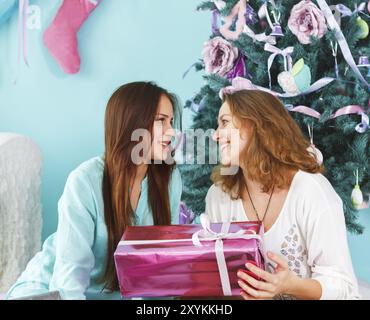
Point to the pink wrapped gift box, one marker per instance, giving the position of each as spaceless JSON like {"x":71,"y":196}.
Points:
{"x":181,"y":260}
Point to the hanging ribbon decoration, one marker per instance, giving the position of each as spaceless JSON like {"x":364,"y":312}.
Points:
{"x":334,"y":49}
{"x":260,"y":37}
{"x":22,"y":35}
{"x":215,"y":15}
{"x":220,"y":4}
{"x":288,"y":63}
{"x":310,"y":133}
{"x":341,"y":40}
{"x":22,"y":30}
{"x":347,"y":12}
{"x":263,"y":12}
{"x":354,"y":109}
{"x":351,"y":109}
{"x":303,"y":109}
{"x":312,"y":149}
{"x":314,"y":87}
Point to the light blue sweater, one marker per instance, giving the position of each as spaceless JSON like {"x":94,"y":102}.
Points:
{"x":73,"y":259}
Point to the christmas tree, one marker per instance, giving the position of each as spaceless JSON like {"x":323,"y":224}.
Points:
{"x":315,"y":56}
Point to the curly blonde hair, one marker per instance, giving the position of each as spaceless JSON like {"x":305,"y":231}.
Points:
{"x":276,"y":146}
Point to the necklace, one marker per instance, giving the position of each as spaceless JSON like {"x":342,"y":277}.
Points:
{"x":254,"y":208}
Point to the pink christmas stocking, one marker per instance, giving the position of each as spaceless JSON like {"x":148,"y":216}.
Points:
{"x":61,"y":36}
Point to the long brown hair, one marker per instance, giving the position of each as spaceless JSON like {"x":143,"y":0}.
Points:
{"x":132,"y":106}
{"x":276,"y":148}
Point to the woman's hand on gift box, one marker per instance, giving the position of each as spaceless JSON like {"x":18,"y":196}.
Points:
{"x":271,"y":285}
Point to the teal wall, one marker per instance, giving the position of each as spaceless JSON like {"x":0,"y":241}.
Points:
{"x":360,"y":247}
{"x":122,"y":41}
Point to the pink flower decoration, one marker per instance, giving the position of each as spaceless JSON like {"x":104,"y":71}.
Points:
{"x":219,"y":56}
{"x":307,"y":20}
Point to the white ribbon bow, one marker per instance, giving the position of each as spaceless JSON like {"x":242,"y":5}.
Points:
{"x":346,"y":12}
{"x":260,"y":37}
{"x":207,"y":234}
{"x":276,"y":51}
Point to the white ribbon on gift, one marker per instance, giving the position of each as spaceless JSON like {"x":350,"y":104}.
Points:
{"x":288,"y":62}
{"x":206,"y":234}
{"x":209,"y":235}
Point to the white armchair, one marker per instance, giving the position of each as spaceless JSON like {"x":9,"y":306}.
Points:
{"x":20,"y":205}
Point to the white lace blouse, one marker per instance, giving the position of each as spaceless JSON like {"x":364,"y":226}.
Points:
{"x":309,"y":232}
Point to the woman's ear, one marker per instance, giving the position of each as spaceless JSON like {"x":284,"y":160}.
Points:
{"x":245,"y":127}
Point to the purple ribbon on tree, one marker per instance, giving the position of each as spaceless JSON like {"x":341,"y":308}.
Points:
{"x":239,"y":69}
{"x":198,"y":107}
{"x":215,"y":15}
{"x":305,"y":110}
{"x":354,"y":109}
{"x":351,"y":109}
{"x":250,"y":15}
{"x":186,"y":216}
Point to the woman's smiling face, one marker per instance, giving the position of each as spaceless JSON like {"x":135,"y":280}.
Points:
{"x":231,"y":136}
{"x":163,"y":131}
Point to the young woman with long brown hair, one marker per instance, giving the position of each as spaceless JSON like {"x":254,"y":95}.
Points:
{"x":279,"y":182}
{"x":106,"y":194}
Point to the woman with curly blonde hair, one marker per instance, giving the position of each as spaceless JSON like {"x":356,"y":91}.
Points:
{"x":279,"y":182}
